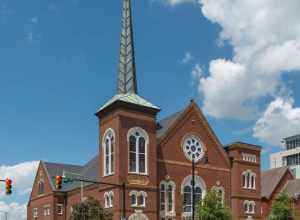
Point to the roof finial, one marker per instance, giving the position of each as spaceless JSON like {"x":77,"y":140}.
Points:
{"x":127,"y":72}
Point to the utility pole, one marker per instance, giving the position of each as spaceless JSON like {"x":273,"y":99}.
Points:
{"x":65,"y":173}
{"x":193,"y":189}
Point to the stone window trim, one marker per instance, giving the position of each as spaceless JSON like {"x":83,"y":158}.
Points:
{"x":60,"y":209}
{"x":110,"y":156}
{"x":249,"y":180}
{"x":142,"y":134}
{"x":137,"y":195}
{"x":199,"y":183}
{"x":109,"y":200}
{"x":165,"y":213}
{"x":199,"y":150}
{"x":249,"y":207}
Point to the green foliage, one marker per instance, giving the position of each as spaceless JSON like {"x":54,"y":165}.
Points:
{"x":282,"y":208}
{"x":212,"y":208}
{"x":90,"y":209}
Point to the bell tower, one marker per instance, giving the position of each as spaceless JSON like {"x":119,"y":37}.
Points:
{"x":127,"y":131}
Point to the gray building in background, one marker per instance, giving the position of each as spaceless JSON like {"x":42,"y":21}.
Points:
{"x":290,"y":156}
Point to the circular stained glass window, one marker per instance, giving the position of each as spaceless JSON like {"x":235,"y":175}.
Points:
{"x":193,"y":148}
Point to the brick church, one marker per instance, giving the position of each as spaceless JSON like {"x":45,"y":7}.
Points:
{"x":151,"y":159}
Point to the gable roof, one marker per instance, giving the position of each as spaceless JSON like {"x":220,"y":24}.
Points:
{"x":166,"y":123}
{"x":89,"y":170}
{"x":293,"y":188}
{"x":270,"y":180}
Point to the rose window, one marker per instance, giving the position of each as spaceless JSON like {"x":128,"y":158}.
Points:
{"x":193,"y":148}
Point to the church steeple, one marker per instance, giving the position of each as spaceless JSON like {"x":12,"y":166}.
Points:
{"x":126,"y":84}
{"x":127,"y":72}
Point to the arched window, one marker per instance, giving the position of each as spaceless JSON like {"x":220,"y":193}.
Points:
{"x":108,"y":199}
{"x":249,"y":180}
{"x":249,"y":207}
{"x":167,"y":199}
{"x":41,"y":187}
{"x":108,"y":152}
{"x":186,"y":190}
{"x":138,"y":149}
{"x":133,"y":198}
{"x":138,"y":199}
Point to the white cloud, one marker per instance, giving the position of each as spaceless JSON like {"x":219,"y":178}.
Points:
{"x":175,"y":2}
{"x":14,"y":211}
{"x":265,"y":36}
{"x":188,"y":57}
{"x":281,"y":119}
{"x":22,"y":175}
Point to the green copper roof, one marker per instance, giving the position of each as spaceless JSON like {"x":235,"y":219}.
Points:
{"x":127,"y":72}
{"x":130,"y":98}
{"x":127,"y":84}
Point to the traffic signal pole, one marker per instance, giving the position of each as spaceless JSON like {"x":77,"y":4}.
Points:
{"x":123,"y":186}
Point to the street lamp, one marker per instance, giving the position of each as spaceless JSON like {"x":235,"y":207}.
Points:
{"x":193,"y":189}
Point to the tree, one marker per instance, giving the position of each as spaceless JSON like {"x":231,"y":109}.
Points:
{"x":212,"y":208}
{"x":90,"y":209}
{"x":282,"y":208}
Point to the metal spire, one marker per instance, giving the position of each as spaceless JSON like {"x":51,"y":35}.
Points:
{"x":127,"y":72}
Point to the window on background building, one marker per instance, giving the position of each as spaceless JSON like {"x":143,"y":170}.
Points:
{"x":167,"y":200}
{"x":249,"y":207}
{"x":60,"y":209}
{"x":138,"y":146}
{"x":293,"y":160}
{"x":35,"y":213}
{"x":249,"y":157}
{"x":109,"y":150}
{"x":41,"y":187}
{"x":249,"y":180}
{"x":108,"y":199}
{"x":138,"y":199}
{"x":186,"y":191}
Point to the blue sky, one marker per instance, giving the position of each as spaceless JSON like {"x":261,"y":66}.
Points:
{"x":58,"y":64}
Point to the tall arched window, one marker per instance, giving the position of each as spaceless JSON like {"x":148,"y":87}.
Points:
{"x":186,"y":190}
{"x":108,"y":152}
{"x":138,"y":149}
{"x":167,"y":199}
{"x":249,"y":180}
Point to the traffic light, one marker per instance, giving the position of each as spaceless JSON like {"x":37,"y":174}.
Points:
{"x":58,"y":182}
{"x":8,"y":186}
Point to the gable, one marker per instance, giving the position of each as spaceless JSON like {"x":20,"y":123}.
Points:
{"x":274,"y":180}
{"x":191,"y":122}
{"x":41,"y":176}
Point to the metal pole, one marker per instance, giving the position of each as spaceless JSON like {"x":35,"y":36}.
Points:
{"x":6,"y":215}
{"x":124,"y":201}
{"x":193,"y":189}
{"x":81,"y":191}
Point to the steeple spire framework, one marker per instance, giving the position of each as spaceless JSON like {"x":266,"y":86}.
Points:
{"x":127,"y":71}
